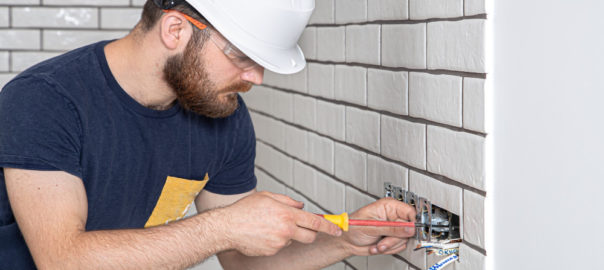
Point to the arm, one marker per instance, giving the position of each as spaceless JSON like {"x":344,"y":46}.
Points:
{"x":51,"y":210}
{"x":325,"y":249}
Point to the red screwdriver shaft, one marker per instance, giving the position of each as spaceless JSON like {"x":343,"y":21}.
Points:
{"x":379,"y":223}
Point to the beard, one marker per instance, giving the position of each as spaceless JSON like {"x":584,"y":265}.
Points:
{"x":195,"y":92}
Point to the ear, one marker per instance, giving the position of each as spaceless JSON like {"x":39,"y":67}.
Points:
{"x":174,"y":30}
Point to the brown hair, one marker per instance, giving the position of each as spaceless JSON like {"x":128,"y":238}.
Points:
{"x":152,"y":14}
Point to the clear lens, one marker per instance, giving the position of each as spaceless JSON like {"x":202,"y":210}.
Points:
{"x":236,"y":56}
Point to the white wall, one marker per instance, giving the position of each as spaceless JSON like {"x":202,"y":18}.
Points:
{"x":548,"y":136}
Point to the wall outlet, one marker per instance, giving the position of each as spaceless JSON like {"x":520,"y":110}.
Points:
{"x":438,"y":224}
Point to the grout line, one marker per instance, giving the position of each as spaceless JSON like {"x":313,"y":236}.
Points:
{"x":441,"y":178}
{"x":393,"y":115}
{"x":406,"y":261}
{"x":479,"y":16}
{"x":430,"y":71}
{"x":475,"y":247}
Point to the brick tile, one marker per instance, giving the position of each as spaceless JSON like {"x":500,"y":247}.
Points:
{"x":296,"y":143}
{"x":120,"y":18}
{"x":470,"y":259}
{"x":267,"y":183}
{"x":324,"y":12}
{"x":445,"y":196}
{"x":305,"y":109}
{"x":308,"y":42}
{"x":72,"y":39}
{"x":23,"y":60}
{"x":274,"y":162}
{"x":363,"y":128}
{"x":386,"y":262}
{"x":380,"y":171}
{"x":138,"y":2}
{"x":349,"y":11}
{"x":282,"y":105}
{"x":20,"y":2}
{"x":331,"y":119}
{"x":351,"y":84}
{"x":88,"y":2}
{"x":351,"y":166}
{"x":387,"y":90}
{"x":474,"y":7}
{"x":4,"y":61}
{"x":4,"y":16}
{"x":331,"y":44}
{"x":269,"y":130}
{"x":296,"y":82}
{"x":321,"y":79}
{"x":258,"y":98}
{"x":304,"y":179}
{"x":55,"y":17}
{"x":457,"y":155}
{"x":355,"y":200}
{"x":330,"y":193}
{"x":19,"y":39}
{"x":416,"y":258}
{"x":474,"y":104}
{"x":359,"y":262}
{"x":426,"y":9}
{"x":473,"y":218}
{"x":387,"y":10}
{"x":404,"y":45}
{"x":363,"y":44}
{"x":404,"y":141}
{"x":457,"y":45}
{"x":321,"y":152}
{"x":436,"y":98}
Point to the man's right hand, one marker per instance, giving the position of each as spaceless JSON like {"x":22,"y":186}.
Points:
{"x":264,"y":223}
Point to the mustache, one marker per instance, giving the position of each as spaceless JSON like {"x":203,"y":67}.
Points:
{"x":237,"y":87}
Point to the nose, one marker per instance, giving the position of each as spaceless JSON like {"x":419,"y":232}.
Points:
{"x":253,"y":75}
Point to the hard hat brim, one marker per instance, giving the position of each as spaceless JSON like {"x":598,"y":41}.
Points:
{"x":278,"y":60}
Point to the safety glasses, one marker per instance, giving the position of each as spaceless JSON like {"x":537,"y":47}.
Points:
{"x":237,"y":57}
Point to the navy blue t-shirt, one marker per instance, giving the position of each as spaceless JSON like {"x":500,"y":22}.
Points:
{"x":140,"y":167}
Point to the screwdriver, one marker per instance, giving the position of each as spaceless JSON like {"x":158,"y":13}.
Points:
{"x":343,"y":222}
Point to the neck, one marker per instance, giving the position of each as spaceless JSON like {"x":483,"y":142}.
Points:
{"x":137,"y":66}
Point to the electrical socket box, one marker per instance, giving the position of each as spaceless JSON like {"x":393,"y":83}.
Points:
{"x":438,"y":224}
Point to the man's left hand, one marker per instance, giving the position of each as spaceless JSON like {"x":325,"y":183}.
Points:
{"x":381,"y":240}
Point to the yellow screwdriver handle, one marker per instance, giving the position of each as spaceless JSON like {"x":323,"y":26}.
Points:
{"x":340,"y":220}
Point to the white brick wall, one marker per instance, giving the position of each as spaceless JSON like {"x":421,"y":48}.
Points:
{"x":34,"y":30}
{"x":394,"y":91}
{"x":397,"y":92}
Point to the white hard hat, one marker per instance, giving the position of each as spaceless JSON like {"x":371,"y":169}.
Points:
{"x":267,"y":31}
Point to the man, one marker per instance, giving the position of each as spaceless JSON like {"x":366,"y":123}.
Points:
{"x":104,"y":147}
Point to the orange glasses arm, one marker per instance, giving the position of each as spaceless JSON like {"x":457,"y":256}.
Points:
{"x":197,"y":23}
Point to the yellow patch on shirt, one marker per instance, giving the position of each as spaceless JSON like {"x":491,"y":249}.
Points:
{"x":175,"y":199}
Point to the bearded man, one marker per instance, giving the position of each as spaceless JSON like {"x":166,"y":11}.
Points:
{"x":103,"y":149}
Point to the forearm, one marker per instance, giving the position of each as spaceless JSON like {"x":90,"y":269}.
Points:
{"x":174,"y":246}
{"x":326,"y":250}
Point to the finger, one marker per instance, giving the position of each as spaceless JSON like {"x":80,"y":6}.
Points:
{"x":396,"y":249}
{"x":316,"y":223}
{"x":400,"y":232}
{"x":390,"y":243}
{"x":399,"y":210}
{"x":304,"y":235}
{"x":285,"y":200}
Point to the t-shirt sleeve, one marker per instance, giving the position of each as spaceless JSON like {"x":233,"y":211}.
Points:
{"x":237,"y":175}
{"x":39,"y":127}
